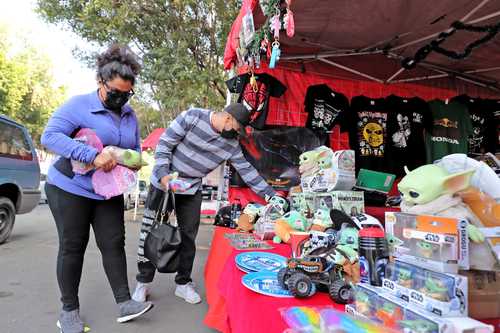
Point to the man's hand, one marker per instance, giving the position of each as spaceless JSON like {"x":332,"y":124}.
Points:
{"x":104,"y":161}
{"x":165,"y":180}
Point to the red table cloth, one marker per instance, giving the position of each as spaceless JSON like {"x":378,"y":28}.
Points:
{"x":239,"y":310}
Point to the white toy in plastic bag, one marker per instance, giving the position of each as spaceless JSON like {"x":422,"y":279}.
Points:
{"x":484,"y":179}
{"x":116,"y":182}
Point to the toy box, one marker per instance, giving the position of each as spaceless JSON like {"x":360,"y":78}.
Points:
{"x":400,"y":278}
{"x":350,"y":202}
{"x":264,"y":229}
{"x":432,"y":242}
{"x":442,"y":294}
{"x":416,"y":320}
{"x":365,"y":301}
{"x":339,"y":174}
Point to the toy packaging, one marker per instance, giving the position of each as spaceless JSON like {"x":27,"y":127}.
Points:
{"x":305,"y":319}
{"x":439,"y":293}
{"x":113,"y":183}
{"x":432,"y":242}
{"x":88,"y":137}
{"x":350,"y":202}
{"x":442,"y":294}
{"x":400,"y":278}
{"x":323,"y":170}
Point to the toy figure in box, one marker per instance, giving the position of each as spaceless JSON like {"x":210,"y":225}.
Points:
{"x":335,"y":267}
{"x":431,"y":190}
{"x":419,"y":326}
{"x":425,"y":249}
{"x":390,"y":314}
{"x":404,"y":277}
{"x":362,"y":302}
{"x":435,"y":288}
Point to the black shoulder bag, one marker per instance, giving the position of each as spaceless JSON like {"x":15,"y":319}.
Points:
{"x":163,"y":242}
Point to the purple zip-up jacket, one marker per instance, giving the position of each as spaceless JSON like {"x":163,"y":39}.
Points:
{"x":86,"y":111}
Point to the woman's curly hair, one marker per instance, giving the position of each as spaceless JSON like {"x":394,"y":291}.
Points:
{"x":118,"y":60}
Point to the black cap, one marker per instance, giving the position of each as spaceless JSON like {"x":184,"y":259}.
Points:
{"x":240,"y":113}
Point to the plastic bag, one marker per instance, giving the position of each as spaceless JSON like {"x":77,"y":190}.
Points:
{"x":126,"y":157}
{"x":113,"y":183}
{"x":88,"y":137}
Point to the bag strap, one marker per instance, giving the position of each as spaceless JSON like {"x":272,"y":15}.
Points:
{"x":161,"y":213}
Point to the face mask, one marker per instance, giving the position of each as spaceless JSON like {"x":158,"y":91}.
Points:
{"x":231,"y":134}
{"x":116,"y":99}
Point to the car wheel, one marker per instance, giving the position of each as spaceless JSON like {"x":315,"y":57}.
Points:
{"x":300,"y":285}
{"x":341,"y":291}
{"x":283,"y":275}
{"x":7,"y":217}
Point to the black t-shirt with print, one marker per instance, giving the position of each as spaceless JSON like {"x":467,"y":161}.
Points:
{"x":367,"y":123}
{"x":257,"y":102}
{"x":484,"y":137}
{"x":324,"y":107}
{"x":408,"y":119}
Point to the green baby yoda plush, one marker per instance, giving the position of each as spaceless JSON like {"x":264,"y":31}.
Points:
{"x":308,"y":163}
{"x":429,"y":182}
{"x":348,"y":246}
{"x":430,"y":190}
{"x":322,"y":218}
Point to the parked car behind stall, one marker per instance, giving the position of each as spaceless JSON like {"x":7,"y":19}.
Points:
{"x":19,"y":174}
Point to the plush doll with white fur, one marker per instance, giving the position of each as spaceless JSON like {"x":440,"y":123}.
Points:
{"x":431,"y":190}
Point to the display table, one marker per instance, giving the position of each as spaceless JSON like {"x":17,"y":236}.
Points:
{"x":233,"y":307}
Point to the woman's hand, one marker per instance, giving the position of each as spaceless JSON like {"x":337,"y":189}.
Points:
{"x":105,"y":161}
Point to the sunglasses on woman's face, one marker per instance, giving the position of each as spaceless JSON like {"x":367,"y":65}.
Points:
{"x":126,"y":94}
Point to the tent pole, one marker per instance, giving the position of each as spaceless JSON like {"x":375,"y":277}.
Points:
{"x":421,"y":78}
{"x":469,"y":14}
{"x":483,"y":70}
{"x":328,"y":55}
{"x":478,"y":83}
{"x":401,"y":70}
{"x":348,"y":69}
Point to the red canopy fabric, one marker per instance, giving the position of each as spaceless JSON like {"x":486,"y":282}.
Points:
{"x":152,"y":139}
{"x":383,"y":32}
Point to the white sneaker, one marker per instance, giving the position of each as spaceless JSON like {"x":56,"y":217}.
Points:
{"x":141,"y":292}
{"x":188,"y":292}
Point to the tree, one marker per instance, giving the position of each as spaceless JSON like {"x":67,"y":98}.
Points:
{"x":27,"y":92}
{"x":181,"y":43}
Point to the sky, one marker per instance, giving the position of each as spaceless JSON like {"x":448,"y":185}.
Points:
{"x":54,"y":41}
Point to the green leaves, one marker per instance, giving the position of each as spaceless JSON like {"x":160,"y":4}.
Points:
{"x":27,"y":93}
{"x":181,"y":43}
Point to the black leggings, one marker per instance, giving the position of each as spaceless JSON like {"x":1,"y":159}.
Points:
{"x":74,"y":215}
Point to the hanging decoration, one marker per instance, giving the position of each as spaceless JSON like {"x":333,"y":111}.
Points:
{"x":265,"y":40}
{"x":490,"y":30}
{"x":288,"y":20}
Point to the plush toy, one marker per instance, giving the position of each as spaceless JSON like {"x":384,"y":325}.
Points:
{"x":431,"y":190}
{"x":249,"y":216}
{"x":291,"y":221}
{"x":308,"y":163}
{"x":322,"y":220}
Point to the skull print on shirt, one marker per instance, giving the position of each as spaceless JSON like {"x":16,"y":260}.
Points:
{"x":372,"y":132}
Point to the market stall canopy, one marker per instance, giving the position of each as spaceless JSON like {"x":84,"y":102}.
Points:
{"x":152,"y":139}
{"x":369,"y":39}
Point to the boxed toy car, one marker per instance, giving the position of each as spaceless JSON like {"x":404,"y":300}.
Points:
{"x":400,"y":278}
{"x":432,"y":242}
{"x":442,"y":294}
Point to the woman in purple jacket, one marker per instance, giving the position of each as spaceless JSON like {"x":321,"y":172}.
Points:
{"x":72,"y":200}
